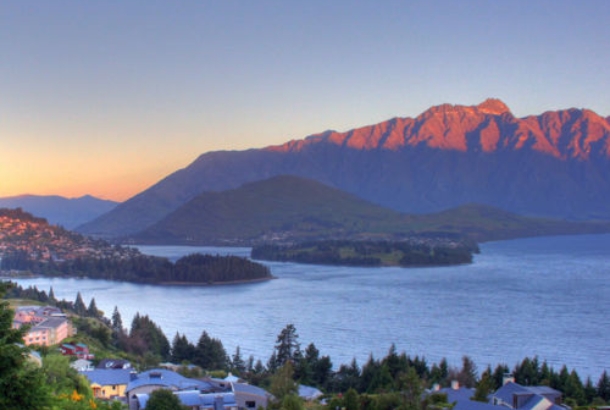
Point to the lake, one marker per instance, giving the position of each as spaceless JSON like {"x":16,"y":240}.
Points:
{"x":548,"y":297}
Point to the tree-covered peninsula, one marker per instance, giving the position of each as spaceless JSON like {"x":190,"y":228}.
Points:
{"x":29,"y":244}
{"x":408,"y":253}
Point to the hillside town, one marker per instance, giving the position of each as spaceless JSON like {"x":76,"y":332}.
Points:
{"x":23,"y":236}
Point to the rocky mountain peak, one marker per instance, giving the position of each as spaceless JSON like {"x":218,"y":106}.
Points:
{"x":493,"y":106}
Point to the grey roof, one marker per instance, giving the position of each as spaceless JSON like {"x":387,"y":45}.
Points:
{"x":168,"y":379}
{"x":249,"y":389}
{"x":539,"y":393}
{"x":50,"y":323}
{"x":309,"y":392}
{"x":543,"y":390}
{"x":189,"y":398}
{"x":534,"y":402}
{"x":476,"y":405}
{"x":506,"y":392}
{"x":108,"y":377}
{"x":194,"y":398}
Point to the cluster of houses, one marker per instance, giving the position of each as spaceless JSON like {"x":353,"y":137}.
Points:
{"x":43,"y":242}
{"x":115,"y":379}
{"x":49,"y":326}
{"x":510,"y":396}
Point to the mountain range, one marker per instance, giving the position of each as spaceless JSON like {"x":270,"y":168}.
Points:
{"x":556,"y":164}
{"x":58,"y":210}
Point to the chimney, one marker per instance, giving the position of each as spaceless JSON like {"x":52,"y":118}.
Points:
{"x":455,"y":385}
{"x":507,"y":378}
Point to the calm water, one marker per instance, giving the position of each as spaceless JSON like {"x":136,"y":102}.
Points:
{"x":548,"y":297}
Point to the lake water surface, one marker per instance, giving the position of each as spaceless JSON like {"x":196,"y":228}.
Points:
{"x":548,"y":297}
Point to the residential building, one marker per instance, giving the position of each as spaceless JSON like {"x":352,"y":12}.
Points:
{"x":49,"y":332}
{"x":108,"y":383}
{"x":82,"y":365}
{"x":49,"y":325}
{"x":517,"y":397}
{"x":80,"y":350}
{"x":250,"y":397}
{"x":209,"y":394}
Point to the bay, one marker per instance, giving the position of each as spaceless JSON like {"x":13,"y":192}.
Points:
{"x":547,"y":297}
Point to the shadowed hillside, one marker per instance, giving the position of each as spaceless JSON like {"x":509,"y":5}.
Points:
{"x":293,"y":209}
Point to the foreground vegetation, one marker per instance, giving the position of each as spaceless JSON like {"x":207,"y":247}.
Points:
{"x":396,"y":381}
{"x":420,"y":252}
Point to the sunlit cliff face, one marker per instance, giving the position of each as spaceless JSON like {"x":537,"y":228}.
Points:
{"x":487,"y":127}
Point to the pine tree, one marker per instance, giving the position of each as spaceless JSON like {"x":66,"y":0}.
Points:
{"x":484,"y":387}
{"x":210,"y":353}
{"x":52,"y":299}
{"x":411,"y":390}
{"x":603,"y":387}
{"x":117,"y":322}
{"x":79,"y":305}
{"x":287,"y":346}
{"x":468,"y":375}
{"x":238,"y":366}
{"x":92,"y":310}
{"x":182,"y":349}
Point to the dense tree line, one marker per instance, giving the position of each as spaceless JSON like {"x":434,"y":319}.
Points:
{"x":195,"y":268}
{"x":393,"y":374}
{"x":369,"y":253}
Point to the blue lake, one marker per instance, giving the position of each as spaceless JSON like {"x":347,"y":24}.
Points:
{"x":548,"y":297}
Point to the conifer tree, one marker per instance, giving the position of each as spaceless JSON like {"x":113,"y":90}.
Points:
{"x":52,"y":299}
{"x":238,"y":365}
{"x":287,"y":346}
{"x":603,"y":387}
{"x":92,"y":310}
{"x":182,"y":349}
{"x":79,"y":305}
{"x":117,"y":322}
{"x":210,"y":353}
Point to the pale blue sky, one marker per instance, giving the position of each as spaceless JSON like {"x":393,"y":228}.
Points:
{"x":108,"y":97}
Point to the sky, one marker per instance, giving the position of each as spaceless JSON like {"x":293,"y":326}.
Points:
{"x":106,"y":98}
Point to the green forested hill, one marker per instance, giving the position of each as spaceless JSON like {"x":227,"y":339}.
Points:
{"x":294,"y":209}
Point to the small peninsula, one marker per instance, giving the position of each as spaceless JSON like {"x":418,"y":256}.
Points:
{"x":415,"y":252}
{"x":30,"y":246}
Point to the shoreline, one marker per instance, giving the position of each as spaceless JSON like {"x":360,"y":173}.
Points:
{"x":30,"y":275}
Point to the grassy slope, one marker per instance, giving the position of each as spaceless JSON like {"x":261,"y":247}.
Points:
{"x":297,"y":208}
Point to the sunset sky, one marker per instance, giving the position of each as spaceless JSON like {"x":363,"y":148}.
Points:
{"x":107,"y":97}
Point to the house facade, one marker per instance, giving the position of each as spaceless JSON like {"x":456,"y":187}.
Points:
{"x":49,"y":325}
{"x":49,"y":332}
{"x":80,"y":350}
{"x":108,"y":383}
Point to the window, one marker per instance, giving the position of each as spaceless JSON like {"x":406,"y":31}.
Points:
{"x":251,"y":404}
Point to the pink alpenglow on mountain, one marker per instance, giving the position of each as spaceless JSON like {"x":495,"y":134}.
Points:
{"x":487,"y":127}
